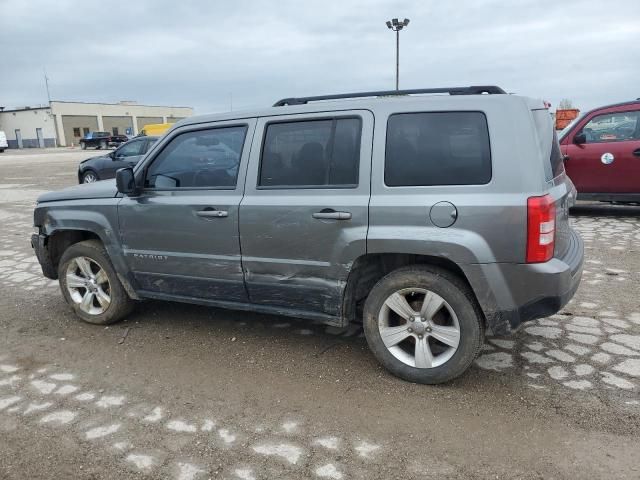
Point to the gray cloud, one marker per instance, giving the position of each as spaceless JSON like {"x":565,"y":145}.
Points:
{"x":198,"y":53}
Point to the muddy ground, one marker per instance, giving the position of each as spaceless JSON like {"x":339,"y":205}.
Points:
{"x":188,"y":392}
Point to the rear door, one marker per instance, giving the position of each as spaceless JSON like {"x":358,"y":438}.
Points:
{"x":304,"y":216}
{"x":609,"y":161}
{"x":180,"y":234}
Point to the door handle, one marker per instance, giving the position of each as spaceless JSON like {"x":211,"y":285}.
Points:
{"x":636,"y":152}
{"x":329,"y":214}
{"x":212,"y":213}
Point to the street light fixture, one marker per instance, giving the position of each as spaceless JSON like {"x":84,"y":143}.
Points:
{"x":396,"y":26}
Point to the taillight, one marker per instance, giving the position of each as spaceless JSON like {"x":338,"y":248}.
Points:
{"x":541,"y":228}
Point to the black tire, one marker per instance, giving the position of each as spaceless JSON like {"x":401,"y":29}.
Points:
{"x":120,"y":305}
{"x":83,"y":145}
{"x":90,"y":173}
{"x":456,"y":294}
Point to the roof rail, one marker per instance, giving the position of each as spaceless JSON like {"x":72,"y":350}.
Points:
{"x":473,"y":90}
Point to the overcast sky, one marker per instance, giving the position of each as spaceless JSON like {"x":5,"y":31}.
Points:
{"x":198,"y":54}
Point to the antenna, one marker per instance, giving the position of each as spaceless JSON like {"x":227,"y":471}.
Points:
{"x":46,"y":83}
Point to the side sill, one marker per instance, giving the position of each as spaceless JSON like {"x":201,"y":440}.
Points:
{"x":249,"y":307}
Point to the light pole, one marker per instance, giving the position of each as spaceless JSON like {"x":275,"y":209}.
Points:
{"x":396,"y":26}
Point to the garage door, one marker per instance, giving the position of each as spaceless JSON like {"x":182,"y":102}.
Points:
{"x":117,"y":125}
{"x":76,"y":126}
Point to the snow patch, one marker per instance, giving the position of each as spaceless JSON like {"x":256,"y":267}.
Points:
{"x":100,"y":432}
{"x":329,"y":471}
{"x":495,"y":361}
{"x":61,"y":417}
{"x":43,"y":387}
{"x":180,"y":426}
{"x":290,"y":453}
{"x":110,"y":401}
{"x":327,"y":442}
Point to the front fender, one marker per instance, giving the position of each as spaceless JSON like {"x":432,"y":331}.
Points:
{"x":98,"y":216}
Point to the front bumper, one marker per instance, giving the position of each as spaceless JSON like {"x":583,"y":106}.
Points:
{"x":39,"y":245}
{"x":511,"y":293}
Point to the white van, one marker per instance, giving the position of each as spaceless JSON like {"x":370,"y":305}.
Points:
{"x":3,"y":141}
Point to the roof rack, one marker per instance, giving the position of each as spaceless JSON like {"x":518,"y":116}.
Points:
{"x":473,"y":90}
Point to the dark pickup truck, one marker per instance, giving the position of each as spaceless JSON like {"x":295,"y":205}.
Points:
{"x":102,"y":140}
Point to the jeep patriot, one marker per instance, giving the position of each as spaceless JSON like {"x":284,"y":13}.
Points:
{"x":428,"y":215}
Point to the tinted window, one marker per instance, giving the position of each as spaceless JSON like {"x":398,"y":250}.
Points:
{"x":556,"y":159}
{"x":554,"y":164}
{"x":149,"y":144}
{"x":612,"y":127}
{"x":315,"y":153}
{"x":439,"y":148}
{"x":204,"y":158}
{"x":130,"y":149}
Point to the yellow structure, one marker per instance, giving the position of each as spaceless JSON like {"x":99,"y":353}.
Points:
{"x":155,"y":129}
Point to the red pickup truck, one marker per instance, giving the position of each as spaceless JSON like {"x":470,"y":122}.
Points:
{"x":602,"y":153}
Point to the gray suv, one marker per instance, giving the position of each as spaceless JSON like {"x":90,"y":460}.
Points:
{"x":429,"y":218}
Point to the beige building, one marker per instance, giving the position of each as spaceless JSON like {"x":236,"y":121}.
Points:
{"x":65,"y":123}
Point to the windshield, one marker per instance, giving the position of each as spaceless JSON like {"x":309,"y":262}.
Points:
{"x":566,"y":129}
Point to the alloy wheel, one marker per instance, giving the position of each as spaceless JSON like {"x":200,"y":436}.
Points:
{"x":88,"y":285}
{"x":419,"y":328}
{"x":89,"y":177}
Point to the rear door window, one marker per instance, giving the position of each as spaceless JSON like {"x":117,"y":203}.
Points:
{"x":313,"y":154}
{"x":437,"y":148}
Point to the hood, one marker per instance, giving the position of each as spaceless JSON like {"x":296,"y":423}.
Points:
{"x":94,"y":158}
{"x":103,"y":189}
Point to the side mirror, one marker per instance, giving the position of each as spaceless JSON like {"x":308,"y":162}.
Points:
{"x":580,"y":139}
{"x":125,"y":181}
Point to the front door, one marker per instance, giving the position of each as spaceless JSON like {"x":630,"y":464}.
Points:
{"x":40,"y":138}
{"x":180,"y":234}
{"x":609,"y":161}
{"x":127,"y":155}
{"x":304,"y":216}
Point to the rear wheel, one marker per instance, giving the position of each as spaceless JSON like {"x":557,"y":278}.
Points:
{"x":90,"y":284}
{"x":423,"y":325}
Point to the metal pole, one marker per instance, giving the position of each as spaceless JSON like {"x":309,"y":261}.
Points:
{"x":46,"y":82}
{"x":397,"y":59}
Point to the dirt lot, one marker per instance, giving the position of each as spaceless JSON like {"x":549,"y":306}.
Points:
{"x":195,"y":392}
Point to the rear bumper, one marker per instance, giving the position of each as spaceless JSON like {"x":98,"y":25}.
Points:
{"x":511,"y":293}
{"x":39,"y":245}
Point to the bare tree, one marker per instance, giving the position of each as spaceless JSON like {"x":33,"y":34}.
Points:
{"x":565,"y":104}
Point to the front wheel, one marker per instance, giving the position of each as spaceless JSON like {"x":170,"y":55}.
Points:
{"x":90,"y":284}
{"x":89,"y":177}
{"x":423,"y":325}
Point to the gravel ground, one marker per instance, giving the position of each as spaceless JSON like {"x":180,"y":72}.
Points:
{"x":188,"y":392}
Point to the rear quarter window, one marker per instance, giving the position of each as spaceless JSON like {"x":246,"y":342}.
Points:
{"x":437,"y":148}
{"x":548,"y":144}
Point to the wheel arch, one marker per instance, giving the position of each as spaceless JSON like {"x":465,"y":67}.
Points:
{"x":85,"y":170}
{"x":368,"y":269}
